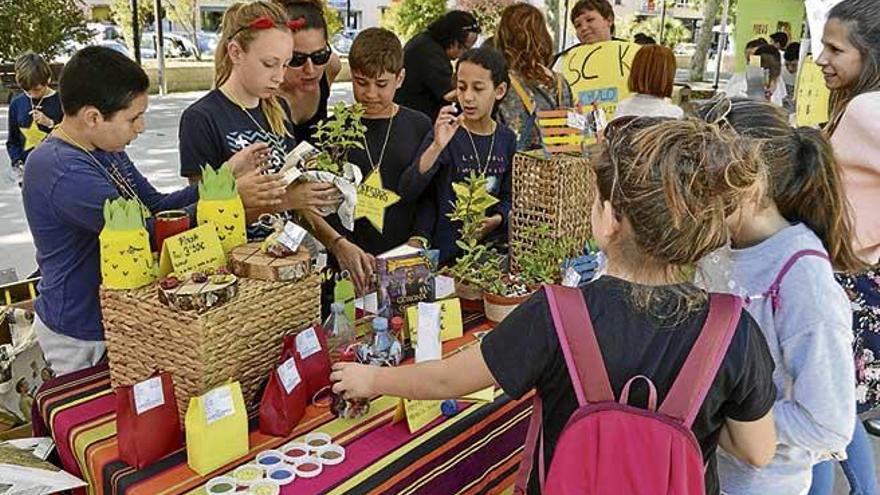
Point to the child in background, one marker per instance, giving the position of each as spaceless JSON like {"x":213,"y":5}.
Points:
{"x":650,"y":81}
{"x":654,"y":220}
{"x":460,"y":145}
{"x":34,"y":113}
{"x":391,"y":146}
{"x":783,"y":253}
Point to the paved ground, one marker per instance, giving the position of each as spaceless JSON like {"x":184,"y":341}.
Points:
{"x":155,"y":154}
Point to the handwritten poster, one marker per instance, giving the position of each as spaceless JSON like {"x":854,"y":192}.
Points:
{"x":600,"y":73}
{"x":812,"y":95}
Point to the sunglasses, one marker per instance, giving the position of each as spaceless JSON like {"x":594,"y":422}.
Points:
{"x":319,"y":57}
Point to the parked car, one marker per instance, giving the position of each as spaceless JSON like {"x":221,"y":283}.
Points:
{"x":176,"y":45}
{"x":342,"y":41}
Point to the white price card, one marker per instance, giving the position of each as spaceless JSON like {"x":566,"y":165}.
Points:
{"x":148,"y":395}
{"x":289,"y":375}
{"x":307,"y":343}
{"x":218,"y":404}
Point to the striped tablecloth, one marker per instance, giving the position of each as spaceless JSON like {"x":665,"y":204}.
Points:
{"x":476,"y":451}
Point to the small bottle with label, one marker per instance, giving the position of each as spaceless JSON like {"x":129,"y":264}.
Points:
{"x":385,"y":349}
{"x":340,"y":331}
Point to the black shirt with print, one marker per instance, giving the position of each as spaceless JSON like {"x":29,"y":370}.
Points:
{"x":523,"y":353}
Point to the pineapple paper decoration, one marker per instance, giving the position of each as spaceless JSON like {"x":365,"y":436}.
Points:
{"x":220,"y":204}
{"x":126,"y":259}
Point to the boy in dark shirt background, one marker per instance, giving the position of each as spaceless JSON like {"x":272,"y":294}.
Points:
{"x":33,"y":113}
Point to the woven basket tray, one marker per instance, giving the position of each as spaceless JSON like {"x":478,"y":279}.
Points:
{"x":556,"y":191}
{"x":239,"y":340}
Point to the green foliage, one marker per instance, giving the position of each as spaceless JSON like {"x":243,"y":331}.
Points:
{"x":121,"y":12}
{"x":123,"y":214}
{"x":336,"y":135}
{"x":42,"y":26}
{"x":478,"y":264}
{"x":185,"y":13}
{"x":408,"y":18}
{"x":333,"y":19}
{"x":674,"y":33}
{"x":542,"y":262}
{"x":217,"y":185}
{"x":487,"y":12}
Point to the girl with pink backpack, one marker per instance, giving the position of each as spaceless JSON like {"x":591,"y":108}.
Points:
{"x":641,"y":334}
{"x":788,"y":236}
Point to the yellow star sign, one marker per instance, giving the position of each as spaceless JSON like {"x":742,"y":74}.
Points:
{"x":373,"y":199}
{"x":33,"y":136}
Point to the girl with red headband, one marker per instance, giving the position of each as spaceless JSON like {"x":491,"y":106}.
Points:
{"x":243,"y":112}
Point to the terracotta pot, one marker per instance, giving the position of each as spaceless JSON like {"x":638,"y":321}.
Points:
{"x":468,"y":292}
{"x":498,"y":307}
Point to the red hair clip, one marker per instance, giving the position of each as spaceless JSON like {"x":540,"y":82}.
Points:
{"x":262,"y":22}
{"x":297,"y":24}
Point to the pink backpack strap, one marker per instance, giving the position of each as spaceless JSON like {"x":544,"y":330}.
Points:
{"x":583,"y":358}
{"x":700,"y":367}
{"x":773,"y":291}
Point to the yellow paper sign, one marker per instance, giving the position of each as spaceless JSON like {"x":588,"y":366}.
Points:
{"x":485,"y":395}
{"x":196,"y":250}
{"x":373,"y":199}
{"x":812,"y":95}
{"x":451,"y":326}
{"x":600,"y":73}
{"x":418,"y":413}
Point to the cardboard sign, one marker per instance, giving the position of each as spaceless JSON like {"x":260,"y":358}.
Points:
{"x":600,"y":73}
{"x":418,"y":413}
{"x":760,"y":18}
{"x":812,"y":95}
{"x":451,"y":326}
{"x":196,"y":250}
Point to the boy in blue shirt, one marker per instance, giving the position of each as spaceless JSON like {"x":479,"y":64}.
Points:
{"x":66,"y":182}
{"x":33,"y":113}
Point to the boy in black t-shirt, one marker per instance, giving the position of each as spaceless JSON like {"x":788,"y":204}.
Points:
{"x":391,"y":146}
{"x":654,"y":221}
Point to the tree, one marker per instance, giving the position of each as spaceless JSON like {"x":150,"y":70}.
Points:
{"x":121,"y":12}
{"x":487,"y":12}
{"x":185,"y":13}
{"x":408,"y":18}
{"x":674,"y":33}
{"x":57,"y":23}
{"x":704,"y":40}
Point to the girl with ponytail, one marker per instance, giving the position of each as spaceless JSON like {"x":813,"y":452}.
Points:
{"x":243,"y":114}
{"x":789,"y":234}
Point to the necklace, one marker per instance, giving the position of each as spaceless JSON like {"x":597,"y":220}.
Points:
{"x":112,"y":173}
{"x":39,"y":105}
{"x":376,"y":165}
{"x":245,"y":110}
{"x":480,"y":165}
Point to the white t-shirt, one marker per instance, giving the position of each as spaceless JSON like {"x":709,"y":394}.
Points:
{"x":642,"y":105}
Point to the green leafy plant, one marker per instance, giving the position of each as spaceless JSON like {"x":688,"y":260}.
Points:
{"x":479,"y":263}
{"x":408,"y":18}
{"x":541,"y":263}
{"x":337,"y":135}
{"x":41,"y":26}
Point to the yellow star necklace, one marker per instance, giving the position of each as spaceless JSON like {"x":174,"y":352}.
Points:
{"x":372,"y":197}
{"x":33,"y":135}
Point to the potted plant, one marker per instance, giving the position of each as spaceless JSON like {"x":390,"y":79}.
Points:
{"x":471,"y":271}
{"x":335,"y":137}
{"x":503,"y":292}
{"x":542,"y":262}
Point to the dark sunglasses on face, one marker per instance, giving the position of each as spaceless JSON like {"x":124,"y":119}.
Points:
{"x":319,"y":57}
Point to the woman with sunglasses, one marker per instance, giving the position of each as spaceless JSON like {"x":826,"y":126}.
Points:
{"x":243,"y":112}
{"x":311,"y":70}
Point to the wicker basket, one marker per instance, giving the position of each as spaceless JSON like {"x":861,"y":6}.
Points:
{"x":239,"y":340}
{"x":556,"y":191}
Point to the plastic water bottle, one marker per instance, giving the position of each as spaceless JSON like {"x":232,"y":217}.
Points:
{"x":340,"y":331}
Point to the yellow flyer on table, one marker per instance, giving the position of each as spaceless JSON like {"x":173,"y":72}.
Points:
{"x":418,"y":413}
{"x":485,"y":395}
{"x":451,"y":326}
{"x":196,"y":250}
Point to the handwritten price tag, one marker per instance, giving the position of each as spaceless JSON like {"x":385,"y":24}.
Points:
{"x":196,"y":250}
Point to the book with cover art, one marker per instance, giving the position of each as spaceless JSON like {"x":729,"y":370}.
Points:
{"x":406,"y":277}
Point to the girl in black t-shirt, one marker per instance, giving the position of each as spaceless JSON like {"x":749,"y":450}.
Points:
{"x":244,"y":115}
{"x":655,"y":215}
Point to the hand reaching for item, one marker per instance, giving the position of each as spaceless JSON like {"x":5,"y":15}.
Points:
{"x":353,"y":381}
{"x":490,"y":224}
{"x":359,"y":264}
{"x":260,"y":191}
{"x":254,"y":157}
{"x":313,"y":196}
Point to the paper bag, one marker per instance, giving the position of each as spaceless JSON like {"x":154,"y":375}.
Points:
{"x":220,"y":204}
{"x":147,"y":423}
{"x":216,"y":429}
{"x":312,"y":357}
{"x":126,"y":258}
{"x":284,"y":398}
